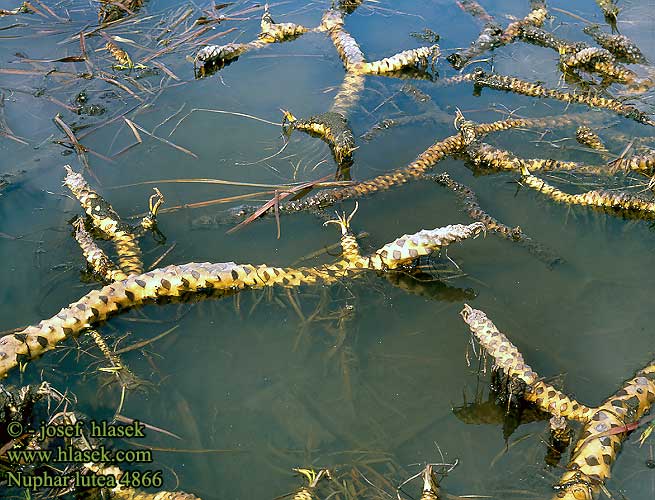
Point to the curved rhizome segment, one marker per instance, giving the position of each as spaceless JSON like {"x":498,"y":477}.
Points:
{"x":178,"y":281}
{"x":605,"y":426}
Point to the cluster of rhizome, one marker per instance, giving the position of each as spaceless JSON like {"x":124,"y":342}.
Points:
{"x":126,"y":285}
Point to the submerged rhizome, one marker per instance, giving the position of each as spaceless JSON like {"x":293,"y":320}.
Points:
{"x":589,"y":70}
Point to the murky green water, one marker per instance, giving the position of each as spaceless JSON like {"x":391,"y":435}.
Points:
{"x":357,"y":375}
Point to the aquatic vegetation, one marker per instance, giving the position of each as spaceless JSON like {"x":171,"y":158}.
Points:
{"x":23,"y":9}
{"x":214,"y":57}
{"x":493,"y":36}
{"x":32,"y":404}
{"x":610,"y":10}
{"x":113,"y":10}
{"x":596,"y":198}
{"x":430,"y":484}
{"x":605,"y":426}
{"x":333,"y":128}
{"x":619,"y":45}
{"x":107,"y":221}
{"x":278,"y":32}
{"x":512,"y":84}
{"x":584,"y":135}
{"x":597,"y":60}
{"x":174,"y":281}
{"x":313,"y":478}
{"x":97,"y":259}
{"x":470,"y":201}
{"x":365,"y":97}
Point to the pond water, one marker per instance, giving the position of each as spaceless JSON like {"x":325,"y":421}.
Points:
{"x":361,"y":375}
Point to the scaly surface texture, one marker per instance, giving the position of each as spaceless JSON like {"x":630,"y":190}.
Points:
{"x":405,"y":59}
{"x":513,"y":84}
{"x":584,"y":135}
{"x":348,"y":95}
{"x":543,"y":38}
{"x":509,"y":359}
{"x":597,"y":60}
{"x":422,"y":164}
{"x":272,"y":32}
{"x":476,"y":212}
{"x":106,"y":220}
{"x":640,"y":163}
{"x":96,"y":258}
{"x":485,"y":155}
{"x":619,"y":45}
{"x":493,"y":36}
{"x":605,"y":426}
{"x":347,"y":47}
{"x":596,"y":198}
{"x":600,"y":442}
{"x":174,"y":281}
{"x":278,"y":32}
{"x":331,"y":127}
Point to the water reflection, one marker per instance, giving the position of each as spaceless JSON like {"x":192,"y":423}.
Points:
{"x":361,"y":376}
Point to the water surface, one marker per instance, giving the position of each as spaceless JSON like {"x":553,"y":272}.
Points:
{"x":252,"y":374}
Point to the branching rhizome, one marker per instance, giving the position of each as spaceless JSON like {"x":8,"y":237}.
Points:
{"x":606,"y":73}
